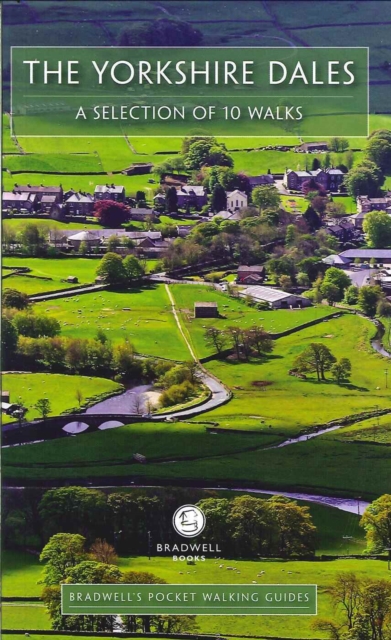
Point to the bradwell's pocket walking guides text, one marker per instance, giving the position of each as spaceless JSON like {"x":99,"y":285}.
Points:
{"x":196,"y":319}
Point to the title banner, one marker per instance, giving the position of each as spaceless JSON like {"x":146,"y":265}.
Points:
{"x":185,"y":599}
{"x":166,"y":92}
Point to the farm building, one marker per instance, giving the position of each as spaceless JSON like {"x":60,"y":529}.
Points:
{"x":251,"y":275}
{"x":138,"y":169}
{"x":275,"y":298}
{"x":334,"y":260}
{"x":206,"y":310}
{"x":379,"y":256}
{"x":310,"y":147}
{"x":109,"y":192}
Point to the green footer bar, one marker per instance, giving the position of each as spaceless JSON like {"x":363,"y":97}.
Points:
{"x":181,"y":599}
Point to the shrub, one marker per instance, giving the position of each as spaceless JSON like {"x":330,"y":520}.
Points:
{"x":177,"y":394}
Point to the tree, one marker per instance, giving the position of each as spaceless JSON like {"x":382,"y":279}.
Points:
{"x":285,"y":282}
{"x":319,"y":203}
{"x":102,"y":551}
{"x":79,"y":397}
{"x":215,"y":338}
{"x":377,"y":226}
{"x":383,"y":308}
{"x":83,"y":248}
{"x":331,"y":292}
{"x":111,"y":269}
{"x":113,"y":243}
{"x":351,"y":294}
{"x":312,"y":219}
{"x":63,"y":551}
{"x":206,"y":151}
{"x":36,"y":326}
{"x":74,"y":510}
{"x":377,"y":524}
{"x":43,"y":407}
{"x":316,"y":358}
{"x":345,"y":593}
{"x":15,"y":299}
{"x":124,"y":360}
{"x":315,"y":164}
{"x":219,"y":198}
{"x":110,"y":213}
{"x":338,"y":278}
{"x":295,"y":532}
{"x":368,"y":299}
{"x":9,"y":343}
{"x":338,"y":145}
{"x":261,"y":340}
{"x":216,"y":511}
{"x":251,"y":525}
{"x":341,"y":370}
{"x":266,"y":197}
{"x":378,"y":150}
{"x":171,"y":200}
{"x":133,"y":267}
{"x":32,"y":239}
{"x":364,"y":179}
{"x":375,"y":608}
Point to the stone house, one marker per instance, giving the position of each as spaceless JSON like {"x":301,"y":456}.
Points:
{"x":109,"y":192}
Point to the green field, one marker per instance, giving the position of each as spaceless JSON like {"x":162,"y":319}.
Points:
{"x":55,"y":268}
{"x":235,"y":312}
{"x":17,"y":224}
{"x":143,"y":317}
{"x":111,"y":451}
{"x":31,"y":615}
{"x":313,"y":402}
{"x":27,"y":388}
{"x":82,"y":182}
{"x":22,"y":572}
{"x":264,"y":395}
{"x":52,"y":163}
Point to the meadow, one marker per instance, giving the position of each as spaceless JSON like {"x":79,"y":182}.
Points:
{"x":21,"y":574}
{"x":269,"y":406}
{"x":27,"y":388}
{"x":264,"y":388}
{"x":234,"y":312}
{"x":55,"y":268}
{"x":142,"y":316}
{"x":46,"y":224}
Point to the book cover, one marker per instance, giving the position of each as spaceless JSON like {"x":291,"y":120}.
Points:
{"x":196,"y":317}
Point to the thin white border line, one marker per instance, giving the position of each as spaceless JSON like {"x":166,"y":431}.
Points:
{"x":182,"y":584}
{"x":184,"y":48}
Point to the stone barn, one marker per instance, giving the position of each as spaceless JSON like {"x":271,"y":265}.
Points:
{"x":206,"y":310}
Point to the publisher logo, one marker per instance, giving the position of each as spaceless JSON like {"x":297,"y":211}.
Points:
{"x":189,"y":521}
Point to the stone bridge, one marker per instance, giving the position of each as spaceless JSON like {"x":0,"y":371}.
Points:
{"x":55,"y":426}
